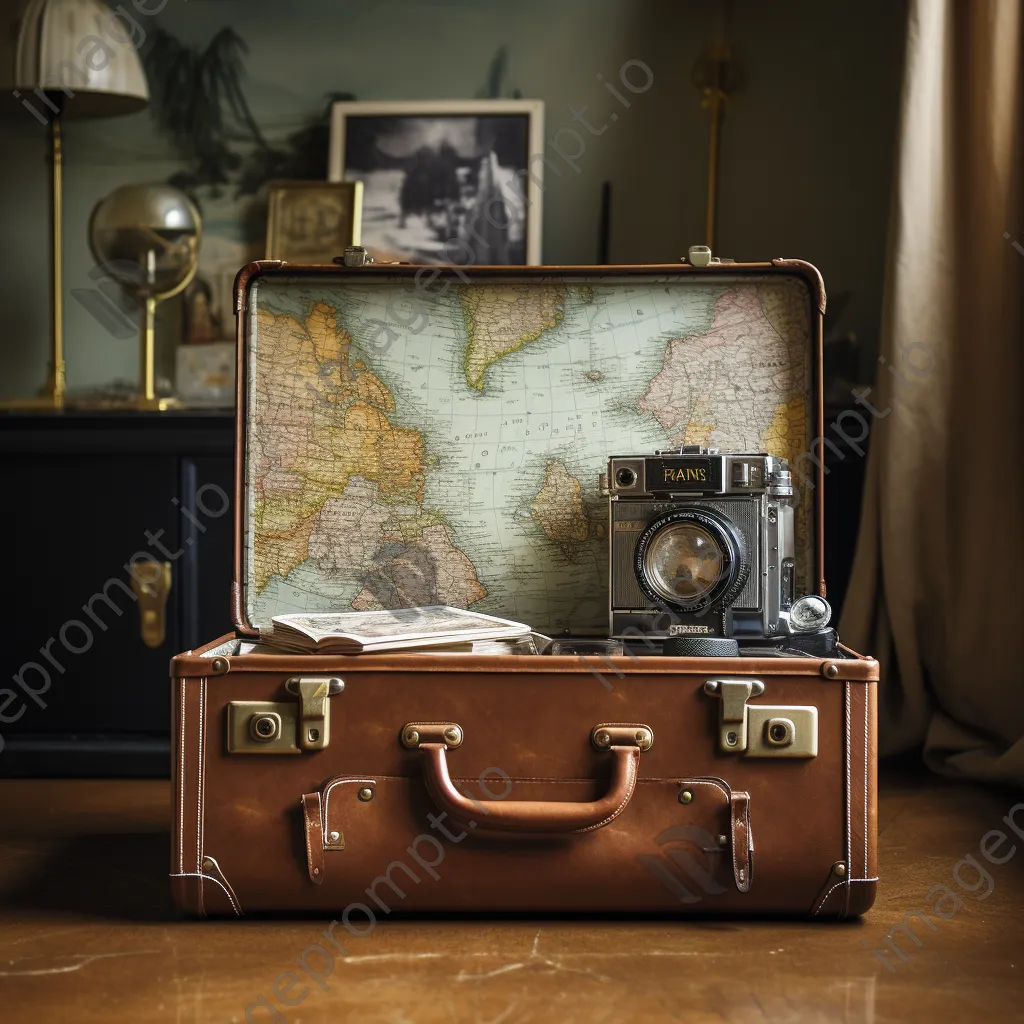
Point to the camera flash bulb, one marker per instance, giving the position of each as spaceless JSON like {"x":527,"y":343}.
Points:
{"x":810,"y":613}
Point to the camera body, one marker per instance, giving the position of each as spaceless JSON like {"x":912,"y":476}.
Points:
{"x":701,"y":545}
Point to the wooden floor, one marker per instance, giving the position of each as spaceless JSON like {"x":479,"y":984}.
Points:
{"x":87,"y":934}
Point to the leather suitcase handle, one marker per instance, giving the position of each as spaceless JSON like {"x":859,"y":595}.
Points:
{"x":531,"y":816}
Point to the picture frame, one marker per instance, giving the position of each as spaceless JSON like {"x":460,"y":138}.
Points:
{"x":445,"y":181}
{"x":312,"y":221}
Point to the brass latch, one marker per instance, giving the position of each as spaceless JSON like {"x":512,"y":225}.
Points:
{"x":759,"y":730}
{"x":151,"y":582}
{"x":285,"y":727}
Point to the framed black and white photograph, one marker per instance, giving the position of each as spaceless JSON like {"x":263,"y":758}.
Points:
{"x":444,"y":181}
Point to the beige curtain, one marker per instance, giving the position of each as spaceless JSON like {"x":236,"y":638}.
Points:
{"x":939,"y":572}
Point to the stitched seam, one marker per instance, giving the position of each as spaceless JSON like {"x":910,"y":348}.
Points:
{"x":634,"y":770}
{"x":199,"y":809}
{"x":714,"y":783}
{"x":199,"y":803}
{"x":199,"y":782}
{"x":195,"y":874}
{"x":641,"y":781}
{"x":223,"y":880}
{"x":327,"y":796}
{"x":867,"y":699}
{"x":833,"y":888}
{"x":308,"y":830}
{"x":181,"y":784}
{"x":736,"y":824}
{"x":848,"y":788}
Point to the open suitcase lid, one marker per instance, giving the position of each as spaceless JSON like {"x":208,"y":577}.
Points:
{"x":422,"y":435}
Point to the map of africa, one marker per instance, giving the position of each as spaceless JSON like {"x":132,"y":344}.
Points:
{"x":444,"y":446}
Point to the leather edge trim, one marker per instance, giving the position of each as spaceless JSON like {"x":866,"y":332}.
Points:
{"x":863,"y":671}
{"x":201,"y":784}
{"x":845,"y":900}
{"x":185,"y":888}
{"x":195,"y":907}
{"x":862,"y":899}
{"x":338,"y":781}
{"x":848,"y":759}
{"x":179,"y":837}
{"x":313,"y":834}
{"x":742,"y":838}
{"x":216,"y":874}
{"x":811,"y":273}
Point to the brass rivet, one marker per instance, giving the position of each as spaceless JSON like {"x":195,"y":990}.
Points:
{"x":333,"y":837}
{"x":732,"y":739}
{"x":365,"y":794}
{"x":830,"y":670}
{"x":208,"y":864}
{"x":220,"y":666}
{"x":412,"y":737}
{"x":723,"y":840}
{"x":453,"y":734}
{"x":316,"y":871}
{"x":685,"y":796}
{"x":840,"y":869}
{"x":603,"y":739}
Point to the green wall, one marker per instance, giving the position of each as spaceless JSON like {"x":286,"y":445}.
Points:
{"x":806,"y":151}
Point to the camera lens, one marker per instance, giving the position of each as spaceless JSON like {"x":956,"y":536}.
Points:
{"x":625,"y":477}
{"x":684,"y":563}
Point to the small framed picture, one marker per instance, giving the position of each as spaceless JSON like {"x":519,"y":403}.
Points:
{"x":445,"y":181}
{"x":312,"y":221}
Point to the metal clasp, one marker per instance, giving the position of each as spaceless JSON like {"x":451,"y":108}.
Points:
{"x":761,"y":730}
{"x":732,"y":734}
{"x":314,"y":710}
{"x":284,"y":727}
{"x":416,"y":733}
{"x":151,"y":582}
{"x":604,"y":737}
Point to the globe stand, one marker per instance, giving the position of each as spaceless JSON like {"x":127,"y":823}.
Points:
{"x":147,"y":398}
{"x":147,"y":238}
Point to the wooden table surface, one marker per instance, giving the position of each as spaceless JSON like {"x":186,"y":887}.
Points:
{"x":88,"y":934}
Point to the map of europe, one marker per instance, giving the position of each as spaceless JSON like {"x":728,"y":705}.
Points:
{"x":413,"y":446}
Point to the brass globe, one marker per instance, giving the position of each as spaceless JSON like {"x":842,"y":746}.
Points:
{"x":147,"y":238}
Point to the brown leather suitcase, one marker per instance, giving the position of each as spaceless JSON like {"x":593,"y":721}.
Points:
{"x":409,"y":782}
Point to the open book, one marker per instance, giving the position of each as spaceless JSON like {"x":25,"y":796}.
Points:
{"x":390,"y":630}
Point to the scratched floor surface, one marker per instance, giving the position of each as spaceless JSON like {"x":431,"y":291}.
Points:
{"x":88,"y":934}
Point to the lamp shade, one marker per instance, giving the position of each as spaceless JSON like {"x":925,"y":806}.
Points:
{"x":80,"y":54}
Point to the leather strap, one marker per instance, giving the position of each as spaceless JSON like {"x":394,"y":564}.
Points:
{"x":314,"y":834}
{"x":529,"y":816}
{"x":742,"y":839}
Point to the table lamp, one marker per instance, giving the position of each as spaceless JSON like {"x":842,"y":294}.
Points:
{"x":68,"y":59}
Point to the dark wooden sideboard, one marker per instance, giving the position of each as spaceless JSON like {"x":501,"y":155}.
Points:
{"x":85,"y":494}
{"x":88,"y":500}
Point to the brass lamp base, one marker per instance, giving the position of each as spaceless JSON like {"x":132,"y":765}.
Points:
{"x":156,"y":404}
{"x":41,"y":403}
{"x":52,"y":398}
{"x":87,"y":403}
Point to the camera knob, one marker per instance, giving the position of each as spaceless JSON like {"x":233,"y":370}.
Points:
{"x":700,"y":647}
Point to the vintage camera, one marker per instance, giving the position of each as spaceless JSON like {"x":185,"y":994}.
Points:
{"x":702,"y":551}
